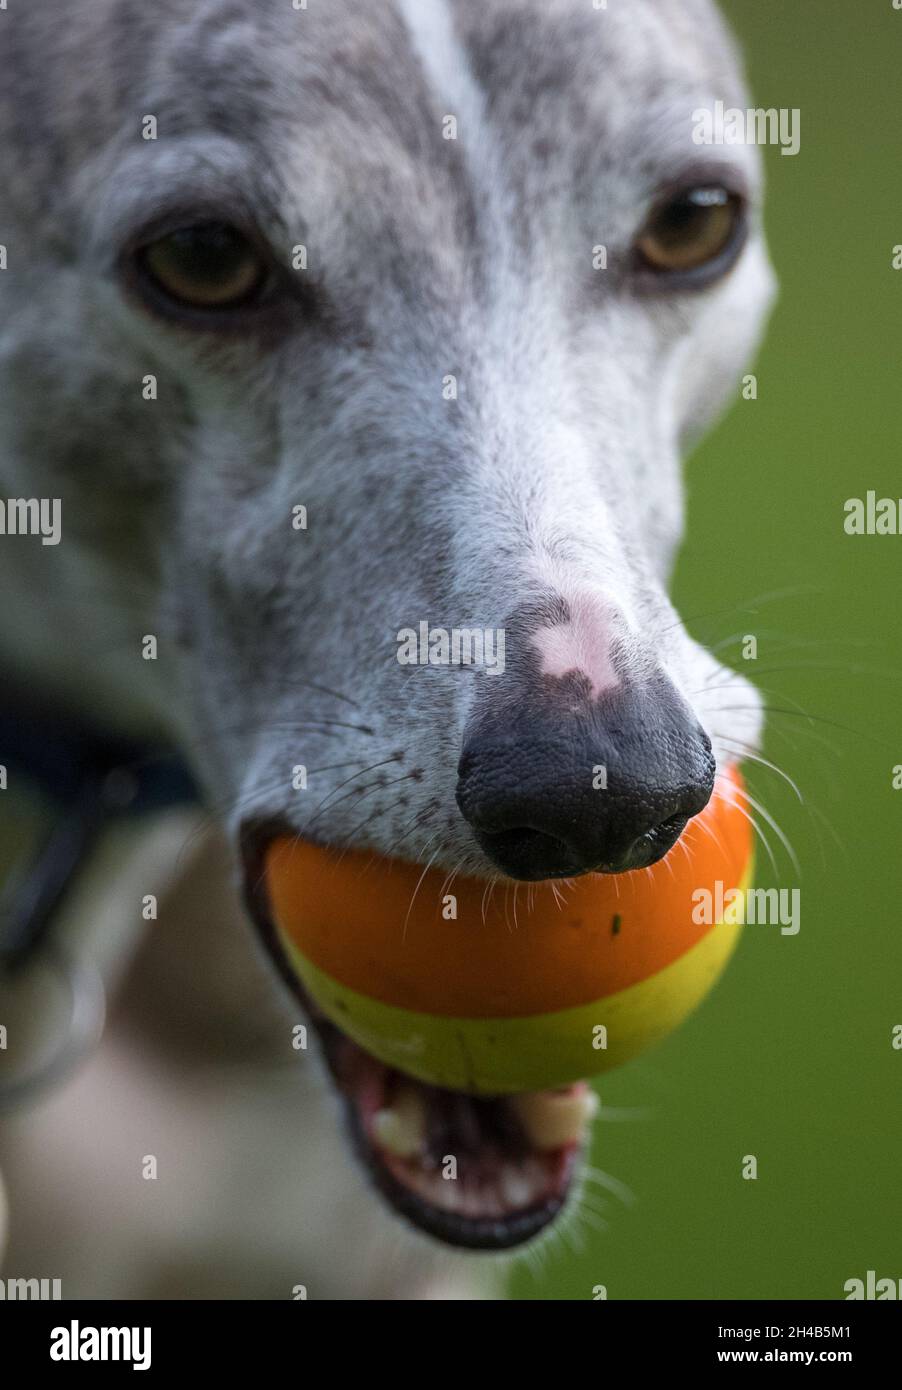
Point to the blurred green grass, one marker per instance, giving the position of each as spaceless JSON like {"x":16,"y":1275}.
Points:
{"x":790,"y":1059}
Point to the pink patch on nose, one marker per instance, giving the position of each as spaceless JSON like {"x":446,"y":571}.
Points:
{"x":581,"y":645}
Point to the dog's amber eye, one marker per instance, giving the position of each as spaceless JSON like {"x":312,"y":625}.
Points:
{"x":692,"y":230}
{"x":208,"y":266}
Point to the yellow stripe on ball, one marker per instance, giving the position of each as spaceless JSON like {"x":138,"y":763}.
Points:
{"x":495,"y":1056}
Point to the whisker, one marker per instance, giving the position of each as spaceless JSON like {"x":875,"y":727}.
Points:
{"x":610,"y":1183}
{"x":487,"y":894}
{"x":571,"y":1233}
{"x":761,"y":835}
{"x":426,"y":868}
{"x":324,"y":690}
{"x":708,"y":830}
{"x":745,"y":606}
{"x":292,"y":725}
{"x":617,"y":1114}
{"x":592,"y":1219}
{"x":748,"y":752}
{"x":371,"y":767}
{"x":807,"y":715}
{"x":374,"y":815}
{"x":531,"y":1254}
{"x":784,"y":841}
{"x":217,"y":811}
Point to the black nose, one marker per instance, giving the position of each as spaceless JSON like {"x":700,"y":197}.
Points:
{"x":552,"y":793}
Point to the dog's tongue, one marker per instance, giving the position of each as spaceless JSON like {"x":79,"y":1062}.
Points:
{"x":482,"y":1158}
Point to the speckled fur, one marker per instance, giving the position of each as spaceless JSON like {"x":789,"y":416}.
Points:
{"x":556,"y":472}
{"x":557,"y":467}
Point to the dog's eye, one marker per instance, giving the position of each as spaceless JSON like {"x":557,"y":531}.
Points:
{"x":210,"y":266}
{"x":695,"y":229}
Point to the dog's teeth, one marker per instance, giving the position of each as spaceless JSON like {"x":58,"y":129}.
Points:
{"x":553,"y":1118}
{"x":400,"y":1128}
{"x":516,"y":1189}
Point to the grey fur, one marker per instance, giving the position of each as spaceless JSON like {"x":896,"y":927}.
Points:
{"x":548,"y":493}
{"x":559,"y":461}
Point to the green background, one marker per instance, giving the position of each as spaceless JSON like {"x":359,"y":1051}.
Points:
{"x":791,"y":1057}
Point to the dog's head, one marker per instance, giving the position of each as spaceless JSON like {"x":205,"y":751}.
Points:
{"x":353,"y":329}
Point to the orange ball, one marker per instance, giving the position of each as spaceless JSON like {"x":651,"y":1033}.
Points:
{"x":513,"y":987}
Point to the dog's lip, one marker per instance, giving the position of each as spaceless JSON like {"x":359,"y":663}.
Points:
{"x":498,"y":1229}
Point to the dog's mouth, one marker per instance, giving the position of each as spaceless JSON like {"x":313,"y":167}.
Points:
{"x":482,"y":1173}
{"x":475,"y":1172}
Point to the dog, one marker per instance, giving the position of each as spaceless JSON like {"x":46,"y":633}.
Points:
{"x":322,"y":322}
